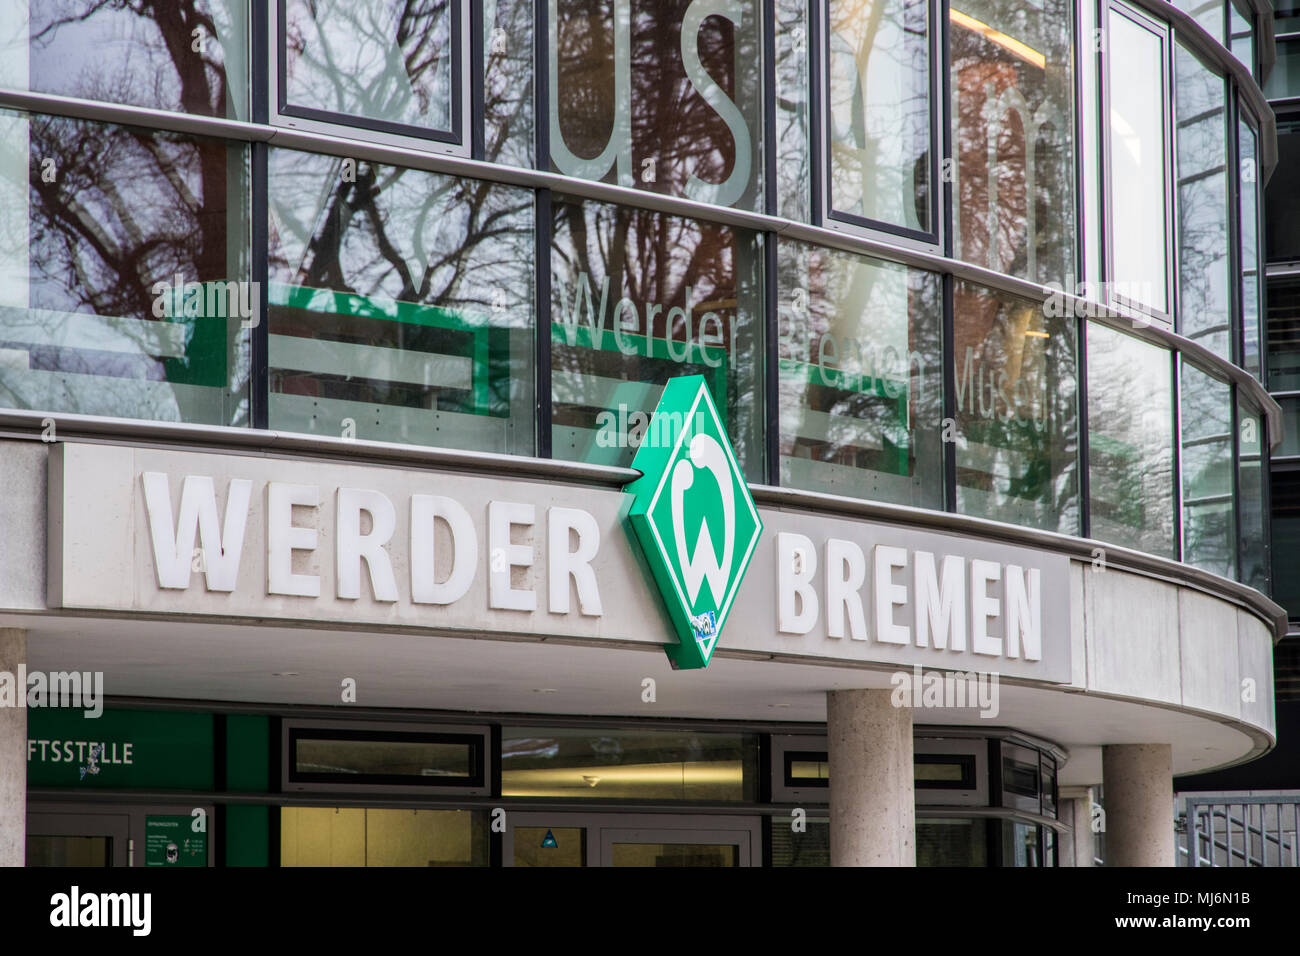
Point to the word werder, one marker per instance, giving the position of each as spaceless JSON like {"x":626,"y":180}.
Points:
{"x":222,"y":544}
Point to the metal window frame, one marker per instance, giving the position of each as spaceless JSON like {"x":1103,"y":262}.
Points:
{"x":1164,"y":33}
{"x":479,"y":784}
{"x":456,"y":140}
{"x":824,"y":212}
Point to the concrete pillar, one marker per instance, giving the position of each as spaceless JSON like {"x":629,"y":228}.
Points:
{"x":873,"y":804}
{"x":1078,"y":844}
{"x":1139,"y":783}
{"x":13,"y":755}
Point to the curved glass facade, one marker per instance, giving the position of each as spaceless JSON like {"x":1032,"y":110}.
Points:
{"x":994,"y":257}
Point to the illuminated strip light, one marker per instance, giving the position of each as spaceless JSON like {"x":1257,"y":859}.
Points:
{"x":1011,"y":44}
{"x":1038,"y":335}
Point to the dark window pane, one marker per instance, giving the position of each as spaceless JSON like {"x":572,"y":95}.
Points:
{"x":401,"y":302}
{"x":1017,"y":420}
{"x":1013,"y":133}
{"x":664,"y":96}
{"x":124,"y":272}
{"x":812,"y":847}
{"x":424,"y":761}
{"x":637,"y":298}
{"x":627,"y":765}
{"x":1251,"y":474}
{"x":1130,"y":441}
{"x":185,"y":55}
{"x":1202,"y":203}
{"x":389,"y":65}
{"x":1209,"y":529}
{"x":1286,"y":541}
{"x":861,"y":377}
{"x":952,"y":842}
{"x":880,"y":113}
{"x":1282,"y":195}
{"x":1020,"y":844}
{"x":1283,"y":333}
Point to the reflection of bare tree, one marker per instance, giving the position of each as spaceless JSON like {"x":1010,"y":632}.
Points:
{"x":880,"y":110}
{"x":1013,"y":126}
{"x":656,"y":259}
{"x":671,"y":122}
{"x":393,"y":237}
{"x":174,"y":57}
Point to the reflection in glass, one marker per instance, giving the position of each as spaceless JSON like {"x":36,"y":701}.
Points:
{"x":1250,"y":271}
{"x":421,"y":760}
{"x":388,"y":64}
{"x":638,"y":297}
{"x":880,"y":113}
{"x":1254,"y":519}
{"x":508,"y":67}
{"x":1207,"y":13}
{"x":1241,"y":36}
{"x":793,"y":173}
{"x":1020,"y":844}
{"x":811,"y":847}
{"x":1138,"y":204}
{"x":1283,"y":332}
{"x":1013,"y":130}
{"x":861,"y":377}
{"x":952,"y":842}
{"x":1017,"y":420}
{"x":184,"y":55}
{"x":664,"y":96}
{"x":358,"y":836}
{"x":124,"y":272}
{"x":1130,"y":442}
{"x":68,"y":850}
{"x":1209,"y":529}
{"x":400,"y":300}
{"x":624,"y":765}
{"x":674,"y":854}
{"x":1203,"y":277}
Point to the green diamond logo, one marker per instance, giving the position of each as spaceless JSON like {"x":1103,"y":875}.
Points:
{"x":692,"y":516}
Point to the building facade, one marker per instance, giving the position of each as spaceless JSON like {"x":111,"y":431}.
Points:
{"x":332,"y":334}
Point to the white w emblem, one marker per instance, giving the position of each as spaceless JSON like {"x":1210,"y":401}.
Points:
{"x":705,"y":453}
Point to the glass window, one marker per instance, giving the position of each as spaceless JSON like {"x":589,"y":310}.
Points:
{"x":550,"y":846}
{"x":1284,"y":79}
{"x":861,"y":377}
{"x":810,"y":847}
{"x":1254,"y":519}
{"x":1020,"y":778}
{"x":664,"y":96}
{"x":401,"y":305}
{"x":125,"y":285}
{"x":1207,"y":13}
{"x":1282,"y":194}
{"x":1013,"y":135}
{"x":1209,"y":528}
{"x":1016,"y":434}
{"x":1241,"y":39}
{"x":1290,"y":445}
{"x":1285,"y":527}
{"x":361,"y":836}
{"x":1251,"y":298}
{"x":1020,"y":844}
{"x":1130,"y":442}
{"x":952,"y":842}
{"x":638,"y":297}
{"x":1283,"y":333}
{"x":793,"y":172}
{"x":508,"y":66}
{"x":578,"y":763}
{"x":880,"y":114}
{"x":190,"y":57}
{"x":1203,"y":276}
{"x":392,"y":66}
{"x":1138,"y":200}
{"x":351,"y":757}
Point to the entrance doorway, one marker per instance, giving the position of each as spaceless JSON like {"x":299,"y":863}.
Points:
{"x":614,"y":839}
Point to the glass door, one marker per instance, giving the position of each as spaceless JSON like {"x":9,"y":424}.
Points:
{"x":77,"y":839}
{"x":617,"y":839}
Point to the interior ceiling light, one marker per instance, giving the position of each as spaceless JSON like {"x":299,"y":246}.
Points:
{"x":1010,"y":44}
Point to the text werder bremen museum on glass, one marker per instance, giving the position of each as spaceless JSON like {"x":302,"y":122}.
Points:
{"x":329,"y":330}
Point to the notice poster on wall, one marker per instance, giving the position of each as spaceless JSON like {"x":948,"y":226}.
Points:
{"x":171,"y":841}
